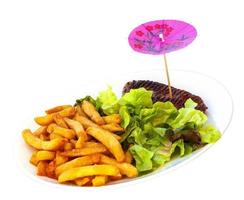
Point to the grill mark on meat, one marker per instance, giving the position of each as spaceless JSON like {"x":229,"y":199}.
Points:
{"x":161,"y":93}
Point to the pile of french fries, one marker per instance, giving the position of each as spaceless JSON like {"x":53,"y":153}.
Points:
{"x":75,"y":144}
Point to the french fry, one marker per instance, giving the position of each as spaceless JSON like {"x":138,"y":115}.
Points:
{"x":99,"y":180}
{"x":64,"y":132}
{"x":114,"y":118}
{"x":116,"y":178}
{"x":44,"y":137}
{"x":128,"y":157}
{"x":85,"y":121}
{"x":41,"y":168}
{"x":124,"y":168}
{"x":79,"y":130}
{"x":40,"y":144}
{"x":44,"y":155}
{"x":80,"y":111}
{"x":57,"y":109}
{"x":92,"y":170}
{"x":106,"y":138}
{"x":82,"y":181}
{"x":91,"y":111}
{"x":73,"y":141}
{"x":60,"y":159}
{"x":112,"y":127}
{"x":50,"y":170}
{"x":67,"y":112}
{"x":116,"y":136}
{"x":80,"y":143}
{"x":44,"y":120}
{"x":54,"y":136}
{"x":50,"y":127}
{"x":41,"y":130}
{"x":68,"y":146}
{"x":59,"y":121}
{"x":93,"y":144}
{"x":33,"y":159}
{"x":84,"y":151}
{"x":78,"y":162}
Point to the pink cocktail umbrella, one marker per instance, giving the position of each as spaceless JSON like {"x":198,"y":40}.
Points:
{"x":161,"y":37}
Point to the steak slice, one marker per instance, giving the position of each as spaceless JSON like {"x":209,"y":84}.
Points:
{"x":161,"y":93}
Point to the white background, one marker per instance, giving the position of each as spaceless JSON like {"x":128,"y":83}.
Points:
{"x":47,"y":46}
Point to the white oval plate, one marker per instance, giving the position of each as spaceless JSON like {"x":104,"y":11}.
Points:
{"x":214,"y":94}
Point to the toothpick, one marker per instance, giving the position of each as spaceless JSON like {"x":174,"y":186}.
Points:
{"x":167,"y":74}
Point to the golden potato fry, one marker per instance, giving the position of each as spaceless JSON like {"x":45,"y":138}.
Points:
{"x":84,"y":151}
{"x":128,"y":157}
{"x":67,"y":133}
{"x":57,"y":109}
{"x":44,"y":155}
{"x":54,"y":136}
{"x":93,"y":144}
{"x":67,"y":112}
{"x":33,"y":159}
{"x":112,"y":127}
{"x":116,"y":178}
{"x":124,"y":168}
{"x":116,"y":136}
{"x":73,"y":141}
{"x":50,"y":170}
{"x":114,"y":118}
{"x":106,"y":138}
{"x":60,"y":159}
{"x":41,"y":168}
{"x":85,"y":121}
{"x":50,"y":127}
{"x":41,"y":130}
{"x":78,"y":162}
{"x":91,"y":111}
{"x":44,"y":137}
{"x":82,"y":181}
{"x":68,"y":146}
{"x":80,"y":143}
{"x":40,"y":144}
{"x":59,"y":121}
{"x":77,"y":127}
{"x":80,"y":111}
{"x":79,"y":172}
{"x":99,"y":180}
{"x":44,"y":120}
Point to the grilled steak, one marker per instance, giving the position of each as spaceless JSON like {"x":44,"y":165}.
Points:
{"x":161,"y":93}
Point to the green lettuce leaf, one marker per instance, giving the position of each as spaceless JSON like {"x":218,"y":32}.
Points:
{"x":125,"y":115}
{"x":137,"y":98}
{"x":162,"y":155}
{"x":209,"y":134}
{"x":187,"y":115}
{"x":190,"y":104}
{"x":188,"y":148}
{"x":154,"y":136}
{"x":158,"y":114}
{"x":164,"y":110}
{"x":108,"y":101}
{"x":133,"y":125}
{"x":142,"y":157}
{"x":137,"y":136}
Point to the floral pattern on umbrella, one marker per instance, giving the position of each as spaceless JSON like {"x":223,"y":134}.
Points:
{"x":161,"y":36}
